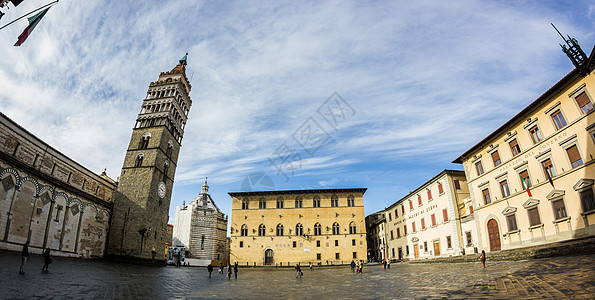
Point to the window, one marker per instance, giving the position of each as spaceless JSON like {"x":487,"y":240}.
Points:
{"x":244,"y":231}
{"x":317,"y":243}
{"x":584,"y":102}
{"x":317,"y":229}
{"x":486,"y":196}
{"x":403,"y":209}
{"x":398,"y":232}
{"x":279,"y":230}
{"x":558,"y":119}
{"x":448,"y":242}
{"x":525,"y":180}
{"x":514,"y":147}
{"x":469,"y":240}
{"x":262,"y":204}
{"x":280,"y":202}
{"x":294,"y":244}
{"x":429,"y":194}
{"x":440,"y":189}
{"x":574,"y":156}
{"x":336,"y":243}
{"x":169,"y":151}
{"x":419,"y":200}
{"x":457,"y":184}
{"x":588,"y":200}
{"x":410,"y":205}
{"x":262,"y":230}
{"x":405,"y":229}
{"x":139,"y":160}
{"x":396,"y":213}
{"x":413,"y":226}
{"x":336,"y":255}
{"x":350,"y":201}
{"x":299,"y":229}
{"x":391,"y":235}
{"x":535,"y":134}
{"x":559,"y":209}
{"x":354,"y":255}
{"x":425,"y":246}
{"x":316,"y":201}
{"x":511,"y":221}
{"x":423,"y":223}
{"x":479,"y":168}
{"x":407,"y":249}
{"x":334,"y":201}
{"x":534,"y":216}
{"x":318,"y":256}
{"x":433,"y":218}
{"x":245,"y":204}
{"x":389,"y":217}
{"x":504,"y":188}
{"x":165,"y":169}
{"x":336,"y":228}
{"x":548,"y":169}
{"x":496,"y":158}
{"x":202,"y":242}
{"x":353,"y":242}
{"x":241,"y":244}
{"x":298,"y":202}
{"x":144,"y":141}
{"x":352,"y":228}
{"x":445,"y":215}
{"x":470,"y":209}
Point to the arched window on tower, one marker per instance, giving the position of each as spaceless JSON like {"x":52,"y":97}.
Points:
{"x":245,"y":204}
{"x":352,"y":228}
{"x":298,"y":202}
{"x":316,"y":201}
{"x":350,"y":200}
{"x":299,"y":229}
{"x":144,"y":141}
{"x":262,"y":230}
{"x":139,"y":160}
{"x":336,"y":228}
{"x":170,"y":149}
{"x":280,"y":202}
{"x":334,"y":201}
{"x":165,"y":170}
{"x":279,"y":230}
{"x":244,"y":231}
{"x":317,"y":229}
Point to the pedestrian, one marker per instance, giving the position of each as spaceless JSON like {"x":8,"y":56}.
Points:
{"x":210,"y":269}
{"x":299,"y":271}
{"x":229,"y":271}
{"x":24,"y":257}
{"x":221,"y":268}
{"x":482,"y":257}
{"x":352,"y":266}
{"x":311,"y":267}
{"x":235,"y":270}
{"x":388,"y":264}
{"x":47,"y":260}
{"x":361,"y":266}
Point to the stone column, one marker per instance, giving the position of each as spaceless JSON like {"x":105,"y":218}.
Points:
{"x":78,"y":231}
{"x":66,"y":210}
{"x":47,"y":224}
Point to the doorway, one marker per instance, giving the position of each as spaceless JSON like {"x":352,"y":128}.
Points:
{"x":268,"y":257}
{"x":436,"y":248}
{"x":494,"y":235}
{"x":416,"y":251}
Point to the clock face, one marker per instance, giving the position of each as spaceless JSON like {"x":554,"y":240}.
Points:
{"x":161,"y":190}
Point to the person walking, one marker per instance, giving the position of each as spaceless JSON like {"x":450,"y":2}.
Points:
{"x":299,"y":271}
{"x":235,"y":270}
{"x":352,"y":266}
{"x":220,"y":268}
{"x":47,"y":260}
{"x":24,"y":257}
{"x":229,"y":271}
{"x":388,"y":263}
{"x":210,"y":269}
{"x":311,"y":267}
{"x":482,"y":257}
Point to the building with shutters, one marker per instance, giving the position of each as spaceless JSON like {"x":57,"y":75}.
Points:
{"x":376,"y":236}
{"x":532,"y":180}
{"x":282,"y":228}
{"x":426,"y":223}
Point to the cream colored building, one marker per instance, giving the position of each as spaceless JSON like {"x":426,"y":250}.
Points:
{"x":322,"y":226}
{"x":549,"y":148}
{"x":376,"y":236}
{"x":427,"y":222}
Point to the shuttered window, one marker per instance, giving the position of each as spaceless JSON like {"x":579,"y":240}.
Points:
{"x":584,"y":102}
{"x":396,"y":213}
{"x":511,"y":220}
{"x":574,"y":156}
{"x":423,"y":223}
{"x":558,"y":119}
{"x":470,"y":209}
{"x":389,"y":217}
{"x":514,"y":147}
{"x":457,"y":184}
{"x":391,"y":235}
{"x":418,"y":200}
{"x":405,"y":229}
{"x":486,"y":196}
{"x":525,"y":177}
{"x":410,"y":204}
{"x":433,"y":220}
{"x":429,"y":195}
{"x":445,"y":215}
{"x":588,"y":200}
{"x":534,"y":216}
{"x":479,"y":168}
{"x":504,"y":188}
{"x":548,"y":169}
{"x":398,"y":232}
{"x":496,"y":158}
{"x":559,"y":209}
{"x":403,"y":209}
{"x":535,"y":134}
{"x":413,"y":227}
{"x":440,"y":189}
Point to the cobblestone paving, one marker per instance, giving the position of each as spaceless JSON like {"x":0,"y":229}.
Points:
{"x":553,"y":278}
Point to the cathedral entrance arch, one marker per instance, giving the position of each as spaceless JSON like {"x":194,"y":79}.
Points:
{"x":494,"y":235}
{"x":269,"y":258}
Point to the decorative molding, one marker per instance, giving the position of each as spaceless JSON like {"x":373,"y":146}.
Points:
{"x":582,"y":184}
{"x":568,"y":140}
{"x":511,"y":135}
{"x":552,"y":108}
{"x":578,"y":89}
{"x":531,"y":121}
{"x":501,"y":176}
{"x":555,"y":194}
{"x":540,"y":155}
{"x":523,"y":165}
{"x":492,"y":149}
{"x":530,"y":203}
{"x":509,"y":210}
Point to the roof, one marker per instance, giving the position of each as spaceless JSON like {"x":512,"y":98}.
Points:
{"x":285,"y":192}
{"x":555,"y":89}
{"x":421,"y":187}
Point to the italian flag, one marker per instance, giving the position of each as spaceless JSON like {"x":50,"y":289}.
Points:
{"x":526,"y":186}
{"x":33,"y":21}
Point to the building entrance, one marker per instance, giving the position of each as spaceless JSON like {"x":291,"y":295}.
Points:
{"x":268,"y":257}
{"x":494,"y":235}
{"x":416,"y":251}
{"x":436,"y":248}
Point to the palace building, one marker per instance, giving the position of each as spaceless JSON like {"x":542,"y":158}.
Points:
{"x":532,"y":180}
{"x":320,"y":226}
{"x":427,"y":222}
{"x":376,"y":236}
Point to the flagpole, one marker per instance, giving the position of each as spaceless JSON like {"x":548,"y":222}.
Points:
{"x":29,"y":14}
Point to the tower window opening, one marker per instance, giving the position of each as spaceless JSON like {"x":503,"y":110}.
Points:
{"x":139,"y":160}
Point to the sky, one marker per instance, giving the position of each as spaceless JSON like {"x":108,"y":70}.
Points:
{"x":380,"y":95}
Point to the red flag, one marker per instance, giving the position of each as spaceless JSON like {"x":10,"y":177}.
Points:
{"x":33,"y":21}
{"x":526,"y":185}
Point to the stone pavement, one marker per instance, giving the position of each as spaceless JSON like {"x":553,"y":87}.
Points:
{"x":569,"y":277}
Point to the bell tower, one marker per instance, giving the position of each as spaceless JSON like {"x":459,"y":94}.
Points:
{"x":141,"y":201}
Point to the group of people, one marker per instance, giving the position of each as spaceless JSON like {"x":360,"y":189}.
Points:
{"x":386,"y":263}
{"x":230,"y":268}
{"x":47,"y":259}
{"x":357,"y":267}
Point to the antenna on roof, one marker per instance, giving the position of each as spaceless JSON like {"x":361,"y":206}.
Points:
{"x":573,"y":50}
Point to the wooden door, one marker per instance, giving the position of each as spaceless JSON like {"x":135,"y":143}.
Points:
{"x":494,"y":235}
{"x":436,"y":248}
{"x":416,"y":251}
{"x":268,"y":257}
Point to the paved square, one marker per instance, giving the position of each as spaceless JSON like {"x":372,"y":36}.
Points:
{"x":553,"y":278}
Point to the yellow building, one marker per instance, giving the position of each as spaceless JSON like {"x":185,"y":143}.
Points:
{"x":531,"y":180}
{"x":322,"y":226}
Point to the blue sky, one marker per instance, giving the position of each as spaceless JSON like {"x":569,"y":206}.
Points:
{"x":423,"y":81}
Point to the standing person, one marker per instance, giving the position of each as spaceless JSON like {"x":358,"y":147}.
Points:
{"x":24,"y":257}
{"x":229,"y":271}
{"x":299,"y":271}
{"x":47,"y":260}
{"x":235,"y":270}
{"x":361,"y":267}
{"x":210,"y":269}
{"x":388,"y":264}
{"x":311,"y":267}
{"x":352,"y":266}
{"x":220,"y":268}
{"x":482,"y":257}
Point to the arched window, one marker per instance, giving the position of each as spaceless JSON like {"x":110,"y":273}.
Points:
{"x":170,"y":149}
{"x":334,"y":201}
{"x":352,"y":228}
{"x":144,"y":141}
{"x":299,"y":229}
{"x":165,"y":169}
{"x":262,"y":204}
{"x":262,"y":230}
{"x":202,"y":242}
{"x":279,"y":230}
{"x":350,"y":201}
{"x":336,"y":228}
{"x":139,"y":160}
{"x":244,"y":231}
{"x":245,"y":204}
{"x":280,"y":202}
{"x":298,"y":202}
{"x":316,"y":201}
{"x":317,"y":229}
